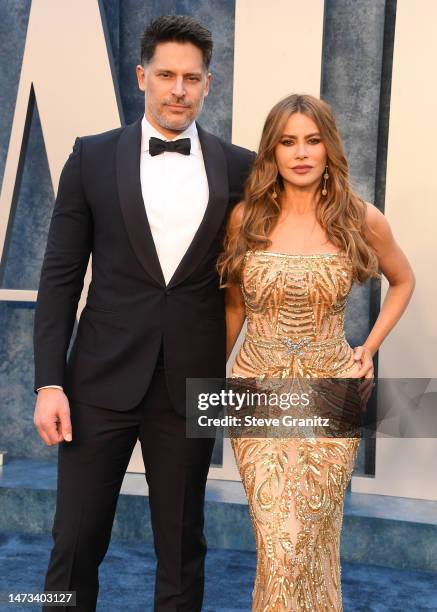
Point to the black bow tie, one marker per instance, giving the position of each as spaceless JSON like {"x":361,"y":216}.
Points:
{"x":157,"y":146}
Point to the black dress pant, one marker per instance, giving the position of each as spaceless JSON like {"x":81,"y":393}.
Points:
{"x":90,"y":473}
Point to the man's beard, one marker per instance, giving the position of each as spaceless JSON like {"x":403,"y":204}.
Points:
{"x":167,"y":124}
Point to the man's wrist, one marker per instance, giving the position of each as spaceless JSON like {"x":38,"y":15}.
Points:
{"x":50,"y":387}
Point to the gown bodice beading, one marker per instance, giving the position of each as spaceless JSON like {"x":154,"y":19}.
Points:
{"x":295,"y":308}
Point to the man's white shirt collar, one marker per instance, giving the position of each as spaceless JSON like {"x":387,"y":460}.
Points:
{"x":147,"y":131}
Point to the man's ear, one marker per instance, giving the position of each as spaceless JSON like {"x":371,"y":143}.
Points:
{"x":208,"y":83}
{"x":141,"y":77}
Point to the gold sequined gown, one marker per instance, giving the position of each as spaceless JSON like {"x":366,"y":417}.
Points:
{"x":295,"y":486}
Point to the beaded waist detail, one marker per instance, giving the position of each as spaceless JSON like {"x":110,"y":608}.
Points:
{"x":294,"y":347}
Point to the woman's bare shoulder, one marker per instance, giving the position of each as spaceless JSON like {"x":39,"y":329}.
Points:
{"x":375,"y":219}
{"x":379,"y":230}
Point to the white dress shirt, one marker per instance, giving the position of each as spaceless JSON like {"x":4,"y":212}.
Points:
{"x":175,"y":193}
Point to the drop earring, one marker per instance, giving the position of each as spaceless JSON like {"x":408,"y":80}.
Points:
{"x":325,"y":179}
{"x":274,"y":192}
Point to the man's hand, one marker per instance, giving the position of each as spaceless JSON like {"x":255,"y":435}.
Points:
{"x":52,"y":416}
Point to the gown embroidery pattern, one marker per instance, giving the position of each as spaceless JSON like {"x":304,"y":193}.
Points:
{"x":295,"y":486}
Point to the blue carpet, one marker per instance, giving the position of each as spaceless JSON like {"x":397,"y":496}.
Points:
{"x":127,"y":575}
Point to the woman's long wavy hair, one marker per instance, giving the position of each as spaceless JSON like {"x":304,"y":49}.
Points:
{"x":341,"y":213}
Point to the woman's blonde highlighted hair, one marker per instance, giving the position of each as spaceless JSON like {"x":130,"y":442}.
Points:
{"x":341,"y":213}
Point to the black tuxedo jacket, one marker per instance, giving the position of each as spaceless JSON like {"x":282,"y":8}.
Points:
{"x":129,"y":311}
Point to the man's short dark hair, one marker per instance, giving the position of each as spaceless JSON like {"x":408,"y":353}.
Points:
{"x":176,"y":28}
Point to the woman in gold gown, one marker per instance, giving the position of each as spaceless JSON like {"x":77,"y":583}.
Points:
{"x":293,"y":249}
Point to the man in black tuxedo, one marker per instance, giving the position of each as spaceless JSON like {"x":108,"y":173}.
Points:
{"x":149,"y":201}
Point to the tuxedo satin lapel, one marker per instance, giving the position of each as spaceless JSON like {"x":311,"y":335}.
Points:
{"x":218,"y":185}
{"x":132,"y":203}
